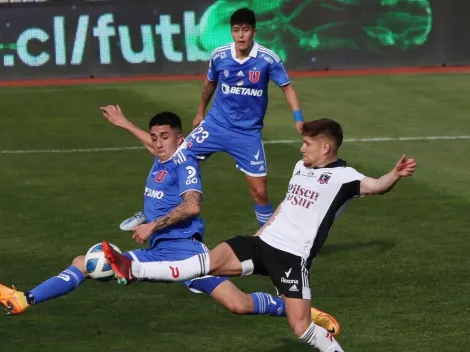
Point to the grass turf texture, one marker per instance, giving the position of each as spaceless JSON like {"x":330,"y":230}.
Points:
{"x":394,"y":270}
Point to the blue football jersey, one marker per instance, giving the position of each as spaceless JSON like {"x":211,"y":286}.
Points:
{"x":241,"y":97}
{"x":165,"y":185}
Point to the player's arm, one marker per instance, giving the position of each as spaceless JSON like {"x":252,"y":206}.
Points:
{"x":293,"y":100}
{"x":404,"y":168}
{"x":208,"y":90}
{"x":115,"y":116}
{"x":291,"y":97}
{"x":190,"y":189}
{"x":189,"y":207}
{"x":278,"y":74}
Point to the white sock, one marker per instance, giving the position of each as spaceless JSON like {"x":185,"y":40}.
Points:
{"x":181,"y":270}
{"x":320,"y":338}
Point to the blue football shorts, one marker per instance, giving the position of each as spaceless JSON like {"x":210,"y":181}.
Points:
{"x":248,"y":152}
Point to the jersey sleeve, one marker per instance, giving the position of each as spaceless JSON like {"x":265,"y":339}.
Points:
{"x":278,"y":74}
{"x":352,"y":181}
{"x":189,"y":175}
{"x":212,"y":72}
{"x":297,"y":167}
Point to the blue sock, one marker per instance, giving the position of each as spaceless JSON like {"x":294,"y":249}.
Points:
{"x":67,"y":281}
{"x":263,"y":213}
{"x":266,"y":304}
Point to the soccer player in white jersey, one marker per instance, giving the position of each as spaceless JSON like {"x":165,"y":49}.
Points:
{"x":286,"y":245}
{"x":239,"y":74}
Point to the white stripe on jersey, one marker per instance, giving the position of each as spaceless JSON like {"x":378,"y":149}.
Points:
{"x":219,"y":49}
{"x":180,"y":157}
{"x":269,"y":52}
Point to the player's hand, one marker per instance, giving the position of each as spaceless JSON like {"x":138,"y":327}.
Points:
{"x":142,"y":233}
{"x":197,"y":120}
{"x":299,"y":125}
{"x":114,"y":115}
{"x":405,"y":167}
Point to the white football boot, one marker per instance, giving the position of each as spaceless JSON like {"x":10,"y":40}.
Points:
{"x":134,"y":221}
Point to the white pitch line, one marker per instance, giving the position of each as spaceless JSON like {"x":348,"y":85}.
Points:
{"x":380,"y":139}
{"x":79,"y":150}
{"x":280,"y":141}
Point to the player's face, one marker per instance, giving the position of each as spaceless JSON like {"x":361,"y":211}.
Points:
{"x":315,"y":150}
{"x":165,"y":141}
{"x":243,"y":35}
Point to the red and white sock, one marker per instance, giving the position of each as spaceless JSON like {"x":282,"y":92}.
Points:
{"x":320,"y":338}
{"x":181,"y":270}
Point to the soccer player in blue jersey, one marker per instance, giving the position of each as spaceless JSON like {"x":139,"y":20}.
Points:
{"x":172,"y":202}
{"x":239,"y":74}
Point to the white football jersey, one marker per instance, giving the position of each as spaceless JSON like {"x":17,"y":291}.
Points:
{"x":315,"y":197}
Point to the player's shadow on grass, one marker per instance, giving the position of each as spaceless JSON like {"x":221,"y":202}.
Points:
{"x":288,"y":345}
{"x":380,"y":245}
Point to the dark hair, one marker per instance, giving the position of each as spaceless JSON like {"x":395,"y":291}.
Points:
{"x":324,"y":127}
{"x":166,"y":118}
{"x":243,"y":16}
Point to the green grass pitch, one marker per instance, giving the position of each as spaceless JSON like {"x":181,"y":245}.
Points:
{"x":394,"y":271}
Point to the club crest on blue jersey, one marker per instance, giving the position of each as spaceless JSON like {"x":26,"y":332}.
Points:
{"x":160,"y":176}
{"x":254,"y":76}
{"x":323,"y":179}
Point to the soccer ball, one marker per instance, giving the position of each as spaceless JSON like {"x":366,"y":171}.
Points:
{"x":96,"y":265}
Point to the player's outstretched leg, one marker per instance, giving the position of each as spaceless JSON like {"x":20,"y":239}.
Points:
{"x":239,"y":302}
{"x":135,"y":220}
{"x":266,"y":304}
{"x":259,"y":303}
{"x":128,"y":271}
{"x":16,"y":302}
{"x":236,"y":301}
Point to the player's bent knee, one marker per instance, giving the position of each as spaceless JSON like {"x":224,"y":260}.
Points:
{"x":79,"y":263}
{"x":259,"y":194}
{"x":299,"y":327}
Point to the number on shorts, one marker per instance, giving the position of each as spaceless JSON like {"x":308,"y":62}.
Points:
{"x":199,"y":134}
